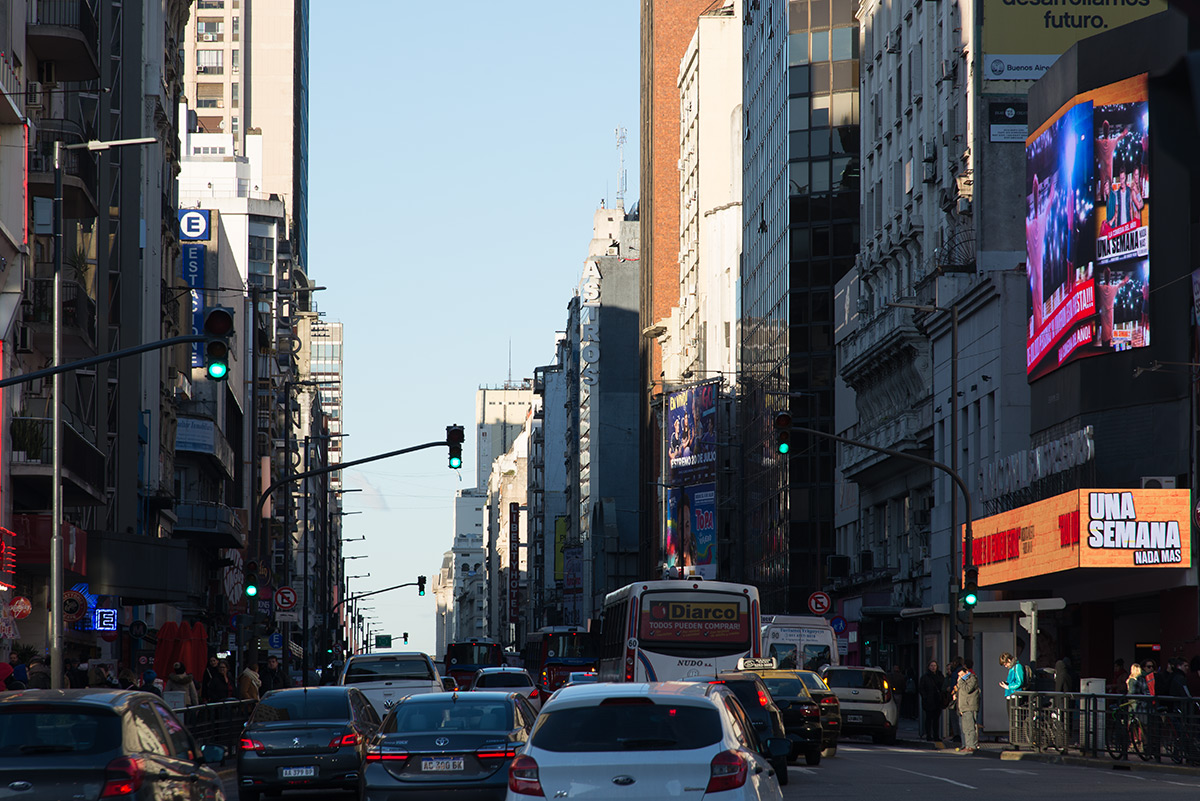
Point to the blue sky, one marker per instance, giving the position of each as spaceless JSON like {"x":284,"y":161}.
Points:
{"x":457,"y":153}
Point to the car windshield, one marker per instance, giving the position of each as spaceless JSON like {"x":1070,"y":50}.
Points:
{"x":47,"y":730}
{"x":503,"y":680}
{"x":855,"y":679}
{"x":627,"y":727}
{"x":301,"y":705}
{"x":785,"y":688}
{"x":457,"y":714}
{"x":385,"y":668}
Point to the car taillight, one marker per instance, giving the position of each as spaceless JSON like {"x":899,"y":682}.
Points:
{"x":496,"y":752}
{"x":122,"y":776}
{"x":829,"y":700}
{"x":251,"y":745}
{"x":810,"y":711}
{"x":534,"y":694}
{"x":727,"y":771}
{"x":523,"y":776}
{"x":763,"y":699}
{"x":343,"y":740}
{"x":375,"y":753}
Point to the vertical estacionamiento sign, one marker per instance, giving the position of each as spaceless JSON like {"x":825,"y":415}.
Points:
{"x":1087,"y":228}
{"x":514,"y":562}
{"x":1022,"y":38}
{"x":691,"y":443}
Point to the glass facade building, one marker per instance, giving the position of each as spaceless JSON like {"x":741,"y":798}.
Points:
{"x":800,"y":235}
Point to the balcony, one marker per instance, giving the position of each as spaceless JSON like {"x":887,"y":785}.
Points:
{"x":65,"y":32}
{"x":79,"y":168}
{"x":33,"y":465}
{"x":905,"y":431}
{"x":78,"y":318}
{"x":138,"y":568}
{"x":202,"y":436}
{"x":889,"y":336}
{"x":214,"y":523}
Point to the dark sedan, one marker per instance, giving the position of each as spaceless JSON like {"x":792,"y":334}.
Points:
{"x":801,"y":713}
{"x":762,"y":711}
{"x":62,"y":744}
{"x":305,"y":737}
{"x":447,"y":743}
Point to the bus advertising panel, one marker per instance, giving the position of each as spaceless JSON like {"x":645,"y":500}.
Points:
{"x":681,"y":617}
{"x":1087,"y":228}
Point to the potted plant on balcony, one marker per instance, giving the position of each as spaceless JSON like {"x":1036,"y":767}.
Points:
{"x":28,"y":439}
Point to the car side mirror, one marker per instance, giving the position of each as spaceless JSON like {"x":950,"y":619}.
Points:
{"x":448,"y":683}
{"x":212,"y":754}
{"x":779,"y":747}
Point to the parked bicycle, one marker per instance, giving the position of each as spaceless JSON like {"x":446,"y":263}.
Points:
{"x":1123,"y":732}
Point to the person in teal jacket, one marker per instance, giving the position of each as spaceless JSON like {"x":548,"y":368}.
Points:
{"x":1016,"y":674}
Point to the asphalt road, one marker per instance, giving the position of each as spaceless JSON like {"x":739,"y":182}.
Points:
{"x":871,"y":772}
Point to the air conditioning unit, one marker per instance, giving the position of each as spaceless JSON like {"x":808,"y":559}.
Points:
{"x":929,"y":152}
{"x":964,"y":205}
{"x":948,"y":70}
{"x":33,"y":94}
{"x":24,"y":344}
{"x":209,"y":37}
{"x":1158,"y":482}
{"x":892,"y":43}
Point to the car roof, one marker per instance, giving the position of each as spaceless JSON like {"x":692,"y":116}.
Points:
{"x":385,"y":654}
{"x":475,"y":695}
{"x":115,"y":700}
{"x":325,"y":689}
{"x":505,"y":669}
{"x":591,"y":693}
{"x":863,"y":668}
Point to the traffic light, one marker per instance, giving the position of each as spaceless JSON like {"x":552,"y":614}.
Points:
{"x":218,"y":327}
{"x":420,"y":585}
{"x":970,"y":591}
{"x":251,"y":580}
{"x":406,"y":638}
{"x":783,"y":432}
{"x":454,"y":440}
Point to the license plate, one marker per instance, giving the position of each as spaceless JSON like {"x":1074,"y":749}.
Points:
{"x":854,"y":718}
{"x":442,"y":763}
{"x":297,"y":773}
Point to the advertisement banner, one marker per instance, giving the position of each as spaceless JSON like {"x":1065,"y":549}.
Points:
{"x":560,"y":544}
{"x":1087,"y":228}
{"x":692,"y":435}
{"x":1084,"y":528}
{"x":693,"y":621}
{"x":692,"y":530}
{"x":514,"y":562}
{"x":193,"y":276}
{"x":1021,"y":39}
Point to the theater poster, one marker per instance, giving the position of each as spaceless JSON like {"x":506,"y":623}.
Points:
{"x":1087,"y":228}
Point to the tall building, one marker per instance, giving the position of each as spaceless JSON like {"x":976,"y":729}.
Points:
{"x":667,"y":26}
{"x":500,"y":414}
{"x":799,"y":237}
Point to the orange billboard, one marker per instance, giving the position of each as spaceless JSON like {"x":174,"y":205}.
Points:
{"x":1084,"y":528}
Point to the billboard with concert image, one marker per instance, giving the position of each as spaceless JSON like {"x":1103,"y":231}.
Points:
{"x":1087,"y":228}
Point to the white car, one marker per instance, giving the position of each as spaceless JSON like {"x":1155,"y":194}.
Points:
{"x":869,"y":705}
{"x":385,"y":678}
{"x":508,"y":679}
{"x":646,"y":741}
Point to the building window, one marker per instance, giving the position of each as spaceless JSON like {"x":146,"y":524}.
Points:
{"x":234,"y":93}
{"x":235,"y":61}
{"x":237,"y":29}
{"x":210,"y":95}
{"x":234,"y":121}
{"x":210,"y":62}
{"x":206,"y":5}
{"x":210,"y":30}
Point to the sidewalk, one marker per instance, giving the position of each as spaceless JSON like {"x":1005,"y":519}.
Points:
{"x":908,"y":735}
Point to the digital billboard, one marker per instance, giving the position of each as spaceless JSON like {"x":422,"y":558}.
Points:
{"x":1087,"y":228}
{"x":1086,"y":528}
{"x":691,"y":443}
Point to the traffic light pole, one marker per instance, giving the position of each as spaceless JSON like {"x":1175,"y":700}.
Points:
{"x":954,"y":476}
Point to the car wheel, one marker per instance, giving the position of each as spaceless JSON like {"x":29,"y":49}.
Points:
{"x":781,"y":772}
{"x":812,"y":758}
{"x":831,"y":751}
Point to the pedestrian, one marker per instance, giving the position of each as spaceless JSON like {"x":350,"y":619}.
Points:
{"x":147,"y":684}
{"x":930,"y":690}
{"x":966,"y":699}
{"x":249,"y":682}
{"x":126,"y":680}
{"x":1064,"y":677}
{"x":39,"y":674}
{"x":20,"y":672}
{"x":1117,"y":684}
{"x":1150,"y":674}
{"x":1136,"y":683}
{"x":218,"y":686}
{"x":1178,"y":686}
{"x":271,"y":676}
{"x":179,"y":680}
{"x":1016,"y":674}
{"x":98,"y":676}
{"x":948,"y":698}
{"x":1193,"y":677}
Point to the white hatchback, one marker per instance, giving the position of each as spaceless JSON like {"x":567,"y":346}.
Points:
{"x":646,"y":741}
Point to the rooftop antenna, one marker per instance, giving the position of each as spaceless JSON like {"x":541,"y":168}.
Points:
{"x":510,"y":383}
{"x":621,"y":138}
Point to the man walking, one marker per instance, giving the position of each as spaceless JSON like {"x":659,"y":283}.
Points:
{"x":930,"y":690}
{"x":966,"y":697}
{"x":271,"y":677}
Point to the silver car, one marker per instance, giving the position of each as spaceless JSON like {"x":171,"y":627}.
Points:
{"x":869,"y":706}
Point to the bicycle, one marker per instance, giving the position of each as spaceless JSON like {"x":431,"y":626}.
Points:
{"x":1123,"y":731}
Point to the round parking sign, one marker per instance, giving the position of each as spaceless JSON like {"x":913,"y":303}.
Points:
{"x":193,"y":224}
{"x":819,"y":603}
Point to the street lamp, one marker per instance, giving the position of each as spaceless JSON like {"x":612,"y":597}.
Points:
{"x":56,"y":500}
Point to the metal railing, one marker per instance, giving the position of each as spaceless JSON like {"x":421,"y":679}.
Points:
{"x":69,"y":14}
{"x":218,"y":723}
{"x":1149,"y":727}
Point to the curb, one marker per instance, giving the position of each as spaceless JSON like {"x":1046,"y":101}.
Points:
{"x":1008,"y":754}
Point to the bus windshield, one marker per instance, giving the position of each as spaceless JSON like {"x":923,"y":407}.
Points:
{"x":569,"y":646}
{"x":679,"y":621}
{"x":485,"y":654}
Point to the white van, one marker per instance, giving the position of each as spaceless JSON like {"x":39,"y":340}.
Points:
{"x":799,"y":642}
{"x":385,"y":678}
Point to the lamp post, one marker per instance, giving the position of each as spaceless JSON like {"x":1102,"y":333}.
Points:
{"x":56,"y":500}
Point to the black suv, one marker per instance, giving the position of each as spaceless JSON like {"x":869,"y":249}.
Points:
{"x":763,"y":713}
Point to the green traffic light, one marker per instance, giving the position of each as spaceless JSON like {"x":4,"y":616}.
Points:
{"x":218,"y":370}
{"x":455,"y":462}
{"x":784,"y":447}
{"x":970,"y":598}
{"x":251,"y":590}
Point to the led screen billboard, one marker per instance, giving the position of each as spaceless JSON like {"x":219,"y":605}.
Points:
{"x":1087,"y":228}
{"x":1086,"y":528}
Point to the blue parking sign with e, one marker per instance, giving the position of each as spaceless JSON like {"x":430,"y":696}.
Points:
{"x":193,"y":223}
{"x":275,"y":640}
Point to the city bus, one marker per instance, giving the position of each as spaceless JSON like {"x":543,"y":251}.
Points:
{"x":464,"y":658}
{"x":554,"y":652}
{"x":676,"y":629}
